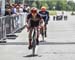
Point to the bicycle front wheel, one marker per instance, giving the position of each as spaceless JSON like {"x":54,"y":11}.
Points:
{"x":34,"y":46}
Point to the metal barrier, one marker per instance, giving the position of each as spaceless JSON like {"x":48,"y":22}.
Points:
{"x":0,"y":28}
{"x":10,"y":24}
{"x":60,"y":17}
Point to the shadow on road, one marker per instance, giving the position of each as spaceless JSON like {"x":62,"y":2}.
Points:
{"x":41,"y":43}
{"x":13,"y":37}
{"x":32,"y":55}
{"x":20,"y":30}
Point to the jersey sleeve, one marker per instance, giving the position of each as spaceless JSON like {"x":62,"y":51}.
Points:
{"x":48,"y":15}
{"x":28,"y":17}
{"x":41,"y":19}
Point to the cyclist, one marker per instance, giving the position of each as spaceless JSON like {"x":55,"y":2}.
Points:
{"x":33,"y":20}
{"x":45,"y":15}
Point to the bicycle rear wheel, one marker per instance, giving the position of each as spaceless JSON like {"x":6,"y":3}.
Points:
{"x":43,"y":34}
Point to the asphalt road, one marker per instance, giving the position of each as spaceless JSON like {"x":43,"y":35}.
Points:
{"x":59,"y":44}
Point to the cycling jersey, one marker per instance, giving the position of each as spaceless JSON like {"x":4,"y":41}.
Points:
{"x":34,"y":22}
{"x":44,"y":15}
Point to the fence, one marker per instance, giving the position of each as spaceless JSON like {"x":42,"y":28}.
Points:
{"x":10,"y":24}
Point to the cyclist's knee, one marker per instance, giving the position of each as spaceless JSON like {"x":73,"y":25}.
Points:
{"x":30,"y":37}
{"x":30,"y":33}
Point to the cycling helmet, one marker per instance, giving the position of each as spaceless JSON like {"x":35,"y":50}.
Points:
{"x":33,"y":10}
{"x":43,"y":8}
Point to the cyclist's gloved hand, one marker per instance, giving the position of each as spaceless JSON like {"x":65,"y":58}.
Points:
{"x":46,"y":22}
{"x":27,"y":26}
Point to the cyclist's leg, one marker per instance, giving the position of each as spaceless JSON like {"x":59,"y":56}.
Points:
{"x":38,"y":33}
{"x":30,"y":38}
{"x":42,"y":30}
{"x":45,"y":30}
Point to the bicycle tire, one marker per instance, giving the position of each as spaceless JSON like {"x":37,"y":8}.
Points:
{"x":34,"y":43}
{"x":43,"y":34}
{"x":34,"y":46}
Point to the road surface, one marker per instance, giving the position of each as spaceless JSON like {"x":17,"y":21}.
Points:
{"x":59,"y":44}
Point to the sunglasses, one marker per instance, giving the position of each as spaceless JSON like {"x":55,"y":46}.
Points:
{"x":34,"y":11}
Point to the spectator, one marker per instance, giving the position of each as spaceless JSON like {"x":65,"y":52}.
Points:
{"x":21,"y":8}
{"x":26,"y":8}
{"x":0,"y":7}
{"x":0,"y":10}
{"x":17,"y":9}
{"x":13,"y":9}
{"x":8,"y":12}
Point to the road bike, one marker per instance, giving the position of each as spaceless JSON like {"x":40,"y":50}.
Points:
{"x":34,"y":37}
{"x":42,"y":32}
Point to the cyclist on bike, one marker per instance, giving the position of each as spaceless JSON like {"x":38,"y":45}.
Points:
{"x":33,"y":20}
{"x":45,"y":15}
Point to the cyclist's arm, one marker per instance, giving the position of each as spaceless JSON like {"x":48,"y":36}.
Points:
{"x":42,"y":22}
{"x":27,"y":20}
{"x":47,"y":16}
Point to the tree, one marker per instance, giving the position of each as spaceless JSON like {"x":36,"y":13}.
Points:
{"x":34,"y":4}
{"x":51,"y":4}
{"x":61,"y":5}
{"x":58,"y":4}
{"x":71,"y":6}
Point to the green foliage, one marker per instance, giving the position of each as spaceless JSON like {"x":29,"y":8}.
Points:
{"x":50,"y":4}
{"x":71,"y":6}
{"x":34,"y":4}
{"x":52,"y":12}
